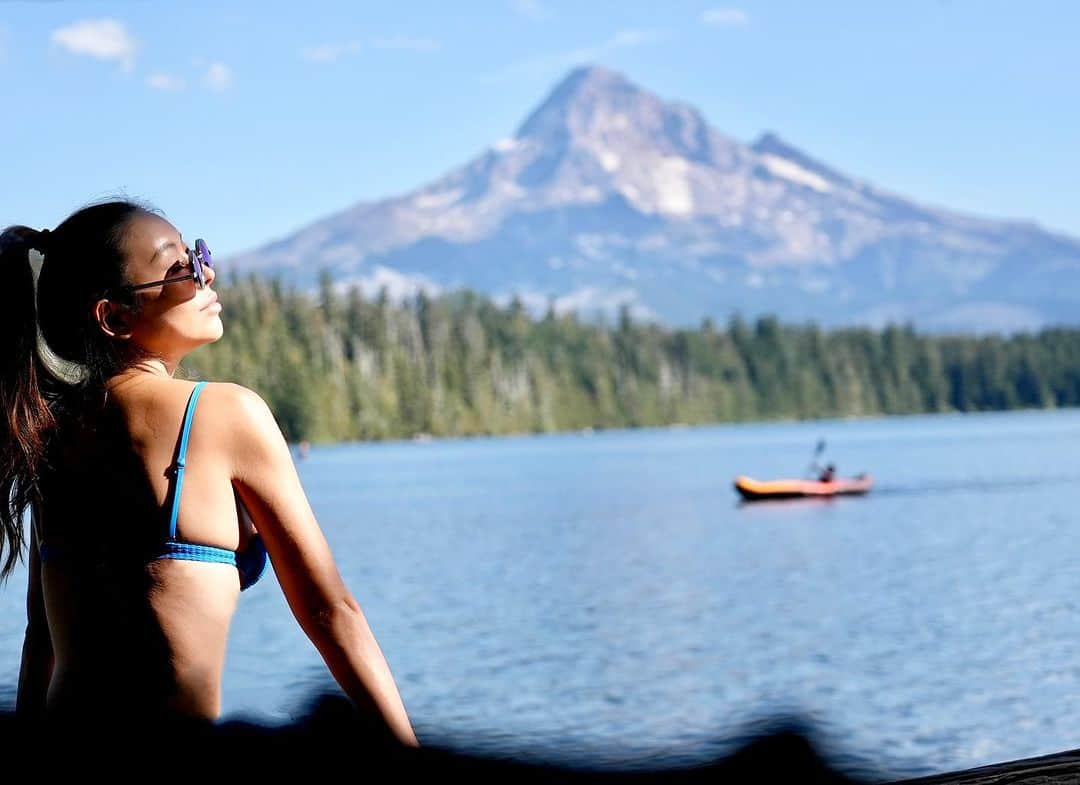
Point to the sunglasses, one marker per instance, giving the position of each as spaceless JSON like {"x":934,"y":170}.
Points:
{"x":199,"y":260}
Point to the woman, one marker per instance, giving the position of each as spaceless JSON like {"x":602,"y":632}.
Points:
{"x":154,"y":500}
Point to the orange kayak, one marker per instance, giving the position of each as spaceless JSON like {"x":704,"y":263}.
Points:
{"x":753,"y":490}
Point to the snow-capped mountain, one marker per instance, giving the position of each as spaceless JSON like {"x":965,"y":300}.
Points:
{"x":609,"y":195}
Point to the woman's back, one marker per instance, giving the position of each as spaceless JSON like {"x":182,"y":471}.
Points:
{"x":127,"y":626}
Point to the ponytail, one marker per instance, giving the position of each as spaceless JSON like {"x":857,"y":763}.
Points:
{"x":53,"y":357}
{"x":27,"y":418}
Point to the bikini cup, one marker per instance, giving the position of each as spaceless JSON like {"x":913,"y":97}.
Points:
{"x":251,"y":562}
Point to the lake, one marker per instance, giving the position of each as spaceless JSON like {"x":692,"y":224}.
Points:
{"x":605,"y":598}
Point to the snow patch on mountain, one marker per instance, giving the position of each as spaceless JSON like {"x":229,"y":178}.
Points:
{"x":674,"y":195}
{"x":434,"y":200}
{"x":399,"y":287}
{"x":789,"y":170}
{"x":609,"y":160}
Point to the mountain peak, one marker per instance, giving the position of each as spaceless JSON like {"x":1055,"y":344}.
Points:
{"x":591,"y":76}
{"x":578,"y":93}
{"x":601,"y":110}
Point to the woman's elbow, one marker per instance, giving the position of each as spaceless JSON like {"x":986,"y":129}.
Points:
{"x":325,"y":618}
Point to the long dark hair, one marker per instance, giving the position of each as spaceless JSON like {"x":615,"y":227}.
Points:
{"x":83,"y":258}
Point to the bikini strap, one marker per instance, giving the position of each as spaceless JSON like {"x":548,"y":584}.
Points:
{"x":181,"y":457}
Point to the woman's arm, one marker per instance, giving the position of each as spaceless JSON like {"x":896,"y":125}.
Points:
{"x":269,"y":487}
{"x":35,"y":671}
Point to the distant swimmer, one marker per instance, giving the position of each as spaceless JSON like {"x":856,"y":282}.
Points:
{"x":302,"y":449}
{"x":823,"y":473}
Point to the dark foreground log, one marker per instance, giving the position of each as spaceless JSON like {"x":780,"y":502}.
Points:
{"x":334,"y":740}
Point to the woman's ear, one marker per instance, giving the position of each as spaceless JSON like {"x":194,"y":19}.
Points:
{"x":113,"y":318}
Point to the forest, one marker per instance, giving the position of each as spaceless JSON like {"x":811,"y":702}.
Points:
{"x":339,"y":366}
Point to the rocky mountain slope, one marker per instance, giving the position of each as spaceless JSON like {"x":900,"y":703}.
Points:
{"x":608,"y":195}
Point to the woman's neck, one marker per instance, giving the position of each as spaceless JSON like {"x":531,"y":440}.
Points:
{"x":141,"y":370}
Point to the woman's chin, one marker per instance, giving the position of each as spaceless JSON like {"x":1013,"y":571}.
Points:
{"x":214,"y":335}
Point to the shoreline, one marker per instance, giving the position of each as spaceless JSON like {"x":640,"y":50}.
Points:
{"x":428,"y":438}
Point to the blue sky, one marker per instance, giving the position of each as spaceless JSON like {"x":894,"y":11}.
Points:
{"x":246,"y":120}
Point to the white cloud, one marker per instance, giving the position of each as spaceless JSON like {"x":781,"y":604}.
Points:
{"x":218,"y":77}
{"x":160,"y":81}
{"x":533,"y":9}
{"x":407,"y":44}
{"x":623,"y":39}
{"x":104,"y":39}
{"x":329,"y":53}
{"x":725,"y":17}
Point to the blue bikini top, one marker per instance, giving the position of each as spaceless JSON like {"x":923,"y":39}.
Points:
{"x":251,"y":561}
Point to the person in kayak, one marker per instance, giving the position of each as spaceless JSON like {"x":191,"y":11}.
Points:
{"x":828,"y":474}
{"x":148,"y":515}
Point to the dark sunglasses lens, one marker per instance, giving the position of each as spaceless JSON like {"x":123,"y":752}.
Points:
{"x":197,"y":270}
{"x":203,"y":253}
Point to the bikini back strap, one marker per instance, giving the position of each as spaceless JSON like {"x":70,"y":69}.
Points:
{"x":181,"y":457}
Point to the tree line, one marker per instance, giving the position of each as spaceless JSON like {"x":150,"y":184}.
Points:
{"x":340,"y":366}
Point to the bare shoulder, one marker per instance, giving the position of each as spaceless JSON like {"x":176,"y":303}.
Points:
{"x":245,"y":424}
{"x":226,"y":406}
{"x":237,"y":404}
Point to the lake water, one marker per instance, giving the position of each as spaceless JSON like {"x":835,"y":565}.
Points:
{"x":605,"y":598}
